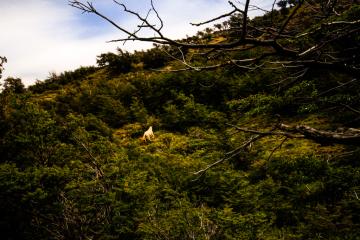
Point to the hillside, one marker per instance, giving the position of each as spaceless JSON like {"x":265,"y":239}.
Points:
{"x":231,"y":159}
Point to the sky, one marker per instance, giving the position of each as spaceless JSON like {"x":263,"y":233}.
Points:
{"x":39,"y":37}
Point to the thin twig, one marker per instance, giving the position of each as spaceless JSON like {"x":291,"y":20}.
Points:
{"x":276,"y":148}
{"x":350,"y":108}
{"x":99,"y":172}
{"x":214,"y":19}
{"x":268,"y":133}
{"x":334,"y":88}
{"x":294,"y":11}
{"x":233,"y":153}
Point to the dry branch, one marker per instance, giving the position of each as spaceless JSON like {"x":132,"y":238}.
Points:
{"x":246,"y":36}
{"x":267,"y":42}
{"x":98,"y":171}
{"x":230,"y":155}
{"x":349,"y":137}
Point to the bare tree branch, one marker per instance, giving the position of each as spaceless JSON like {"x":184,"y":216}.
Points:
{"x":268,"y":133}
{"x":277,"y":147}
{"x":245,"y":20}
{"x":334,"y":88}
{"x":98,"y":170}
{"x":161,"y":39}
{"x":273,"y":48}
{"x":294,"y":11}
{"x":349,"y":137}
{"x":351,"y":109}
{"x":248,"y":36}
{"x":157,"y":15}
{"x":89,"y":8}
{"x":216,"y":18}
{"x":229,"y":155}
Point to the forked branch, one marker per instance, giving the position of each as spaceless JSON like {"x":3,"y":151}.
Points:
{"x":243,"y":33}
{"x":350,"y":136}
{"x":159,"y":38}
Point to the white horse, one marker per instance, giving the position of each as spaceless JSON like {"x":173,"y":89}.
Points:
{"x":148,"y":135}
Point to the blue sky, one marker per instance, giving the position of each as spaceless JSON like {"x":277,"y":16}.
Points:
{"x":43,"y":36}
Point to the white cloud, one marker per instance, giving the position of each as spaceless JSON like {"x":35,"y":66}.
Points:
{"x":40,"y":36}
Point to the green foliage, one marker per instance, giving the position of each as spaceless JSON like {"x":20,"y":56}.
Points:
{"x":138,"y":111}
{"x":116,"y":63}
{"x":183,"y":112}
{"x":13,"y":85}
{"x":72,"y":165}
{"x":31,"y":137}
{"x":257,"y":104}
{"x":153,"y":58}
{"x":108,"y":109}
{"x":2,"y":61}
{"x":29,"y":200}
{"x":55,"y":81}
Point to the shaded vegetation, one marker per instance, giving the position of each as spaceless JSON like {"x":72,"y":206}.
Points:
{"x":72,"y":165}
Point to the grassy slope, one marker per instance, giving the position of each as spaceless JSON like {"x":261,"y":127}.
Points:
{"x":148,"y":191}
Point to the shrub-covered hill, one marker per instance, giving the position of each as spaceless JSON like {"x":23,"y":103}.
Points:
{"x":73,"y":165}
